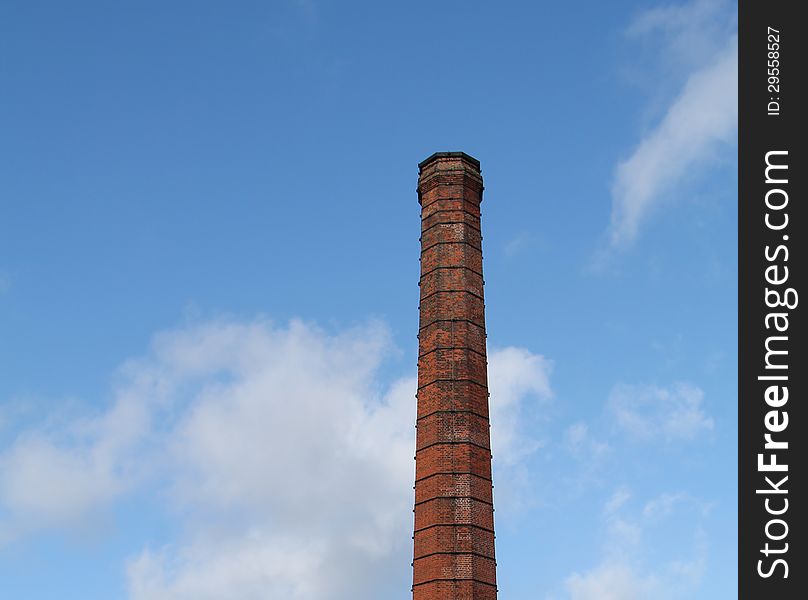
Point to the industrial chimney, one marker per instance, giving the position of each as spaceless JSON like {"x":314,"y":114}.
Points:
{"x":454,"y":511}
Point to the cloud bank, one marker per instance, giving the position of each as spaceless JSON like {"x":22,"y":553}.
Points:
{"x":286,"y":462}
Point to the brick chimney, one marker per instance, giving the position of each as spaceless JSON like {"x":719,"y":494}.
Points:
{"x":454,"y":512}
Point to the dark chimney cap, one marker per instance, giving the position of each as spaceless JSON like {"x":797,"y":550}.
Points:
{"x":437,"y":155}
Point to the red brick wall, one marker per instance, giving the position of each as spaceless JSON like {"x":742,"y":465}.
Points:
{"x":454,"y":514}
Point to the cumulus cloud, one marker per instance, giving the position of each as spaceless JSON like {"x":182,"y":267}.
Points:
{"x":615,"y":581}
{"x":57,"y":476}
{"x":248,"y":567}
{"x":515,"y":374}
{"x":648,"y":411}
{"x":285,"y":458}
{"x":699,"y":121}
{"x":303,"y":465}
{"x":623,"y":573}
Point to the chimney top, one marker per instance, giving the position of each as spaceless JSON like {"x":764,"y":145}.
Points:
{"x":437,"y":155}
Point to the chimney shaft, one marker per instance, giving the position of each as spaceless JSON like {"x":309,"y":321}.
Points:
{"x":454,"y":513}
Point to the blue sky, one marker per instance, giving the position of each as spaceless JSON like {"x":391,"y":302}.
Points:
{"x":208,"y":293}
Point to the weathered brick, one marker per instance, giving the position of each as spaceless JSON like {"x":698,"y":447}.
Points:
{"x":455,"y":590}
{"x":437,"y":215}
{"x":457,"y":306}
{"x":453,"y":427}
{"x":452,"y":395}
{"x":453,"y":484}
{"x":450,"y":279}
{"x":452,"y":458}
{"x":453,"y":363}
{"x":452,"y":334}
{"x":455,"y":566}
{"x":454,"y":515}
{"x":442,"y":205}
{"x":454,"y":538}
{"x":451,"y":254}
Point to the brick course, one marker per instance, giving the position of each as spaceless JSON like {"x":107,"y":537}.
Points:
{"x":454,"y":516}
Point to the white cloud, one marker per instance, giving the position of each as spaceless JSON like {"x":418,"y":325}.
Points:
{"x":60,"y":476}
{"x":624,"y":571}
{"x":617,"y":500}
{"x":287,"y":462}
{"x":615,"y":581}
{"x":701,"y":120}
{"x":646,"y":411}
{"x":45,"y":484}
{"x":250,"y":567}
{"x":662,"y":506}
{"x":515,"y":375}
{"x":686,"y":33}
{"x":582,"y":445}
